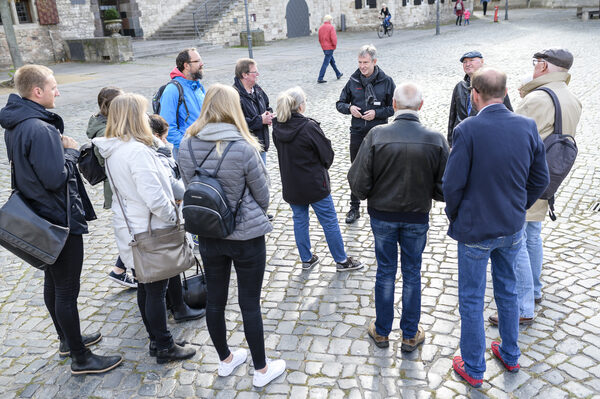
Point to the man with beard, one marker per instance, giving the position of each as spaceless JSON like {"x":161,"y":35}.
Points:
{"x":368,"y":97}
{"x":180,"y":114}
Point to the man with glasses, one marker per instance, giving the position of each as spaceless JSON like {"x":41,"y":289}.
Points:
{"x":496,"y":170}
{"x":550,"y":70}
{"x":461,"y":106}
{"x":181,"y":102}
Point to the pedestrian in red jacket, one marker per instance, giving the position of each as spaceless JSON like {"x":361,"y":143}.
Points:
{"x":328,"y":40}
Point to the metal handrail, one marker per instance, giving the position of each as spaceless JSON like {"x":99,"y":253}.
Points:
{"x":219,"y":5}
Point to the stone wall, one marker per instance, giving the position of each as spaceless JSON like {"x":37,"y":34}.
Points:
{"x":76,"y":19}
{"x":270,"y":17}
{"x":154,"y":13}
{"x":37,"y":44}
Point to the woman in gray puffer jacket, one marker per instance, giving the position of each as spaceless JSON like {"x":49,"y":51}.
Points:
{"x":242,"y":175}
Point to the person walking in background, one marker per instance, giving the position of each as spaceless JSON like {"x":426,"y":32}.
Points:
{"x":461,"y":105}
{"x":459,"y":9}
{"x":328,"y":41}
{"x":467,"y":17}
{"x":305,"y":155}
{"x":96,"y":128}
{"x":181,"y":101}
{"x":243,"y":176}
{"x":498,"y":162}
{"x":44,"y":170}
{"x":143,"y":197}
{"x":368,"y":98}
{"x":254,"y":102}
{"x":484,"y":3}
{"x":399,"y":170}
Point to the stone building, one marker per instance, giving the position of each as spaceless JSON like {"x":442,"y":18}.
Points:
{"x":42,"y":26}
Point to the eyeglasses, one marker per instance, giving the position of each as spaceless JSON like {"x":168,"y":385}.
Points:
{"x":255,"y":72}
{"x":471,"y":88}
{"x":535,"y":61}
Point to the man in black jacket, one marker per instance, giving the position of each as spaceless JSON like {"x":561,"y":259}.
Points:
{"x":399,"y":170}
{"x":254,"y":102}
{"x":461,"y":106}
{"x":45,"y":172}
{"x":368,"y":98}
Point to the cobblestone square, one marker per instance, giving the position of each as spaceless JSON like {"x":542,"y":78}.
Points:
{"x":317,"y":321}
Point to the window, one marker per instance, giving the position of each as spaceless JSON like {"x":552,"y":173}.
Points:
{"x":23,"y":11}
{"x":358,"y":4}
{"x":372,"y":3}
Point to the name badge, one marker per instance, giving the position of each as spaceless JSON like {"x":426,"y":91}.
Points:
{"x":377,"y":103}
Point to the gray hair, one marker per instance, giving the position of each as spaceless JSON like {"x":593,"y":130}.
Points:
{"x":408,"y":95}
{"x":289,"y":101}
{"x":327,"y":18}
{"x":368,"y":49}
{"x":555,"y":68}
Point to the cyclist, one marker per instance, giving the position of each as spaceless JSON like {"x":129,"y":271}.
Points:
{"x":385,"y":14}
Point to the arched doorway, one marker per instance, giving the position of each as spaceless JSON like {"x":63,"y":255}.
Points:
{"x":296,"y":15}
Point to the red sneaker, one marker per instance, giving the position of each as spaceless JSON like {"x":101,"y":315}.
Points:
{"x":496,"y":352}
{"x":459,"y":366}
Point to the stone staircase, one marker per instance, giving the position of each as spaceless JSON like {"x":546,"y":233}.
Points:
{"x":181,"y":26}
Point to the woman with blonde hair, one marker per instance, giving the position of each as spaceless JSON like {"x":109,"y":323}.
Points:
{"x":242,"y":175}
{"x":305,"y":155}
{"x":142,"y":191}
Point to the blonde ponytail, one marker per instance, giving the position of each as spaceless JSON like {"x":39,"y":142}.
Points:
{"x":289,"y":101}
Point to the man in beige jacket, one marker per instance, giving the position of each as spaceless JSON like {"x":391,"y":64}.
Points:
{"x":550,"y":69}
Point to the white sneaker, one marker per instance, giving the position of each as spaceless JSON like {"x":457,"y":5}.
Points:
{"x":239,"y":357}
{"x":274,"y":369}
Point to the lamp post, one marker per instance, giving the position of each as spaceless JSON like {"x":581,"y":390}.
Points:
{"x":11,"y":38}
{"x":248,"y":30}
{"x":437,"y":17}
{"x":506,"y":11}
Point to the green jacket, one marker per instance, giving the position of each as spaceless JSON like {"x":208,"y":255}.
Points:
{"x":96,"y":127}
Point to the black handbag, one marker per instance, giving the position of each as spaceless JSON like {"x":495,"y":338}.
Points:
{"x":194,"y":289}
{"x":89,"y":166}
{"x":28,"y":235}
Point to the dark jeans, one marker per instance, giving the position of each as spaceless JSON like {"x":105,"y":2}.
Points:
{"x":61,"y":289}
{"x":356,"y":140}
{"x":249,"y":259}
{"x":458,"y":20}
{"x":484,"y":7}
{"x":151,"y":300}
{"x":326,"y":61}
{"x":175,"y":294}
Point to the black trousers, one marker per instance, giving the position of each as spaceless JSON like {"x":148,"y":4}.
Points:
{"x":249,"y":258}
{"x":61,"y":289}
{"x":484,"y":7}
{"x":356,"y":140}
{"x":175,"y":294}
{"x":151,"y":300}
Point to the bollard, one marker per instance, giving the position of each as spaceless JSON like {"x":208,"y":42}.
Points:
{"x":495,"y":13}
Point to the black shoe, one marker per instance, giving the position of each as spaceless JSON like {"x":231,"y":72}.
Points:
{"x":176,"y":352}
{"x":352,"y":215}
{"x":123,"y":279}
{"x":187,"y":314}
{"x":152,"y":347}
{"x":340,"y":75}
{"x":314,"y":260}
{"x":321,"y":81}
{"x":88,"y":340}
{"x":349,"y":264}
{"x":94,"y":364}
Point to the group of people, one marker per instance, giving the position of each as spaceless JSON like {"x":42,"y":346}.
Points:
{"x":493,"y":159}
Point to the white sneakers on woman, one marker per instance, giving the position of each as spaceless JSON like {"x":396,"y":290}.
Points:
{"x":239,"y":357}
{"x":274,"y":369}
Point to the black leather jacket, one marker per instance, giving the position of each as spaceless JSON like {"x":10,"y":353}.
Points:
{"x":354,"y":94}
{"x":399,"y":167}
{"x":460,"y":105}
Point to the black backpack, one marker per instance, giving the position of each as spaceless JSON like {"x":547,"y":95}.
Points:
{"x":205,"y":207}
{"x":561,"y":152}
{"x":89,"y":166}
{"x":156,"y":100}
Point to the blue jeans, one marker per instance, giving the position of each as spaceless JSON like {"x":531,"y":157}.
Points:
{"x":263,"y":156}
{"x":327,"y":216}
{"x":529,"y":268}
{"x":472,"y":264}
{"x":326,"y":61}
{"x":412,"y":238}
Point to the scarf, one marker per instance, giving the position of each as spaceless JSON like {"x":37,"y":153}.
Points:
{"x":367,"y":83}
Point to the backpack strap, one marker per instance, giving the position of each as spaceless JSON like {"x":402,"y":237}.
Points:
{"x":181,"y":100}
{"x":557,"y":110}
{"x":194,"y":158}
{"x":221,"y":159}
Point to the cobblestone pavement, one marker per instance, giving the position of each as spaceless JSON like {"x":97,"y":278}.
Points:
{"x":317,"y":320}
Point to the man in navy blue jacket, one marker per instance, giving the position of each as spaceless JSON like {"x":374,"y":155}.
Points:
{"x":496,"y":170}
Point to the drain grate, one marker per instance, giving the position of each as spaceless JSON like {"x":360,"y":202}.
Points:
{"x":595,"y":207}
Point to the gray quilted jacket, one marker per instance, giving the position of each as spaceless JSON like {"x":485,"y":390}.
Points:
{"x":242,"y":163}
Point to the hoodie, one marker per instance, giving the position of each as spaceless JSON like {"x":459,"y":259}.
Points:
{"x":179,"y":120}
{"x":305,"y":155}
{"x":96,"y":128}
{"x":42,"y":168}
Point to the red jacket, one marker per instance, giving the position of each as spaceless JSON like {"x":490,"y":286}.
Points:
{"x":327,"y":36}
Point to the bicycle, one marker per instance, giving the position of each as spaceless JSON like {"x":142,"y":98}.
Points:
{"x":381,"y":32}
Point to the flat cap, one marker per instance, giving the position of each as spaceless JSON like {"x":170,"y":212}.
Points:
{"x":471,"y":54}
{"x":561,"y":57}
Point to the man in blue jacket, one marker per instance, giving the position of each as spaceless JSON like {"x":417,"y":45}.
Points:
{"x":187,"y":74}
{"x":496,"y":170}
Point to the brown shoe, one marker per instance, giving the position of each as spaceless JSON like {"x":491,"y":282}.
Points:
{"x":524,"y":321}
{"x":409,"y":345}
{"x":380,"y":341}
